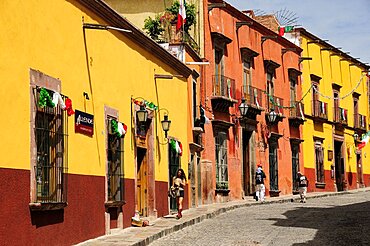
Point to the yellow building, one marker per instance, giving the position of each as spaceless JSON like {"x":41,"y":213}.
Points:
{"x":337,"y":113}
{"x":70,"y":176}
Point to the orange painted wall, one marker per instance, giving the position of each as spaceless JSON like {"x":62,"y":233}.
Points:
{"x":222,"y":21}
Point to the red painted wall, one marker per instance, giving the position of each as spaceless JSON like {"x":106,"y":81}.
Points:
{"x":129,"y":207}
{"x":82,"y":219}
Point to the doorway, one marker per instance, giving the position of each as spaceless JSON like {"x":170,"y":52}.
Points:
{"x":174,"y":165}
{"x":142,"y":181}
{"x":339,"y":165}
{"x":295,"y":166}
{"x":246,"y":164}
{"x":360,"y":178}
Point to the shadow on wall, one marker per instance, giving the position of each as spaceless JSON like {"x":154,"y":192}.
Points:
{"x":45,"y":218}
{"x":339,"y":225}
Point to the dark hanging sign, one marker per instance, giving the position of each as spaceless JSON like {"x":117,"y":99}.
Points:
{"x":84,"y":123}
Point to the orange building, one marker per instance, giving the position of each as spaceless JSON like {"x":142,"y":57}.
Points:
{"x":251,"y":62}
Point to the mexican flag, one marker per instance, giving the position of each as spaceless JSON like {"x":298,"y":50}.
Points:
{"x":365,"y":139}
{"x":285,"y":29}
{"x":181,"y":16}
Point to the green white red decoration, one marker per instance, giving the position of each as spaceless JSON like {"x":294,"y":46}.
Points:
{"x":145,"y":103}
{"x":176,"y":146}
{"x":45,"y":100}
{"x":181,"y":16}
{"x":365,"y":139}
{"x":118,"y":128}
{"x":285,"y":29}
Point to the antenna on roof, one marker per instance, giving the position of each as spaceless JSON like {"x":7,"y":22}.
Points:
{"x":259,"y":12}
{"x":286,"y":17}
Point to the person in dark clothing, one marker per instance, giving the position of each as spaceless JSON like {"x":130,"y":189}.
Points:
{"x":302,"y":186}
{"x":260,"y":186}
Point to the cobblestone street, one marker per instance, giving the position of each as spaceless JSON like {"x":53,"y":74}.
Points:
{"x":335,"y":220}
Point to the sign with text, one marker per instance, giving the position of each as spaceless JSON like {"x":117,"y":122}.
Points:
{"x":84,"y":123}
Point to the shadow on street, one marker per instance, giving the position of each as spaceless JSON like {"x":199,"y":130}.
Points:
{"x":338,"y":225}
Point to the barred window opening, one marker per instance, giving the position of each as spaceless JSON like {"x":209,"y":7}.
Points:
{"x":51,"y":153}
{"x":115,"y":175}
{"x":221,"y":161}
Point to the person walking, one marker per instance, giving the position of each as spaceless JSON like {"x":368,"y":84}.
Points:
{"x":178,"y":183}
{"x":302,"y":186}
{"x":260,"y":186}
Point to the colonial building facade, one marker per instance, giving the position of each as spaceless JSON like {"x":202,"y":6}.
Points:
{"x":85,"y":142}
{"x":337,"y":109}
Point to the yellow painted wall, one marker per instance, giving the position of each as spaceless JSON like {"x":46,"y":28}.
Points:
{"x":49,"y":37}
{"x":332,"y":68}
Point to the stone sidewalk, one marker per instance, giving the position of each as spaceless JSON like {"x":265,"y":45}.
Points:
{"x":166,"y":225}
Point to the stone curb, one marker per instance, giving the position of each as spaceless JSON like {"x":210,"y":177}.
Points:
{"x":219,"y":211}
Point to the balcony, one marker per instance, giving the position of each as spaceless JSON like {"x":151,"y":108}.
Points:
{"x":276,"y":104}
{"x":360,"y":122}
{"x":340,"y":116}
{"x":319,"y":110}
{"x":253,"y":98}
{"x":223,"y":95}
{"x":296,"y":116}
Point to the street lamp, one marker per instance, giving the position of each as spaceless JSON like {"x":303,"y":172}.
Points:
{"x":243,"y":108}
{"x":166,"y":123}
{"x":142,"y":114}
{"x":356,"y":137}
{"x":272,"y":116}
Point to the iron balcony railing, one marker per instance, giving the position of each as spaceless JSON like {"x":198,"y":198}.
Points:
{"x":276,"y":104}
{"x":223,"y":86}
{"x":189,"y":40}
{"x":296,"y":109}
{"x":340,"y":115}
{"x":360,"y":121}
{"x":252,"y":96}
{"x":320,"y":109}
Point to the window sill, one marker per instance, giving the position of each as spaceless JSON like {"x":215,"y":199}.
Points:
{"x":114,"y":204}
{"x":222,"y":191}
{"x":44,"y":206}
{"x":320,"y":185}
{"x":274,"y":193}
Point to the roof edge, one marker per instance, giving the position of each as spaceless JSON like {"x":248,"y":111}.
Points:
{"x":104,"y":11}
{"x":308,"y":34}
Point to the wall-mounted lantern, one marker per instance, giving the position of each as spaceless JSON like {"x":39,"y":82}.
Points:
{"x":356,"y":137}
{"x":243,"y":108}
{"x":142,"y":115}
{"x":166,"y":123}
{"x":271,"y":116}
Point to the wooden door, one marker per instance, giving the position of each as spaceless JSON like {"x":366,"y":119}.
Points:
{"x":360,"y":178}
{"x":142,"y":181}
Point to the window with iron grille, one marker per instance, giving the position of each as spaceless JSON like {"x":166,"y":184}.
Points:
{"x":319,"y":159}
{"x":50,"y":170}
{"x":221,"y":161}
{"x":115,"y":175}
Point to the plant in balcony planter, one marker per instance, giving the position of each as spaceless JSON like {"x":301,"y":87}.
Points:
{"x":190,"y":14}
{"x":153,"y":27}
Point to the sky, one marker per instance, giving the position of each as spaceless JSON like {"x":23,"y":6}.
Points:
{"x":344,"y":23}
